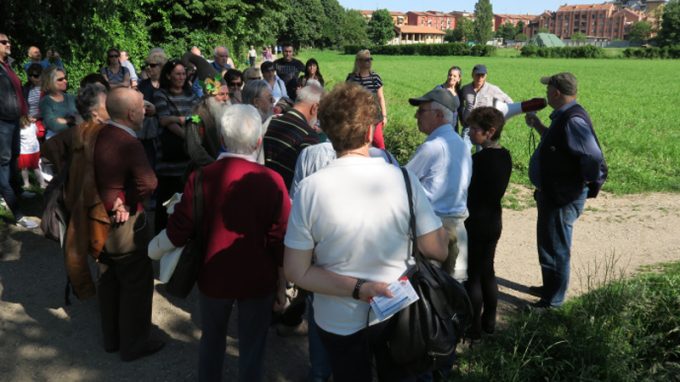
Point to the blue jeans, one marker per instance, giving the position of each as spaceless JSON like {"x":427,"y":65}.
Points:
{"x":554,"y":229}
{"x":9,"y":152}
{"x":254,"y":316}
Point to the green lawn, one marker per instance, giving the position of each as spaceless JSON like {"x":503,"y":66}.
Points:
{"x":633,"y":104}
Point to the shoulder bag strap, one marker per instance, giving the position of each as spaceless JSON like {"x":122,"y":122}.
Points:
{"x":412,"y":215}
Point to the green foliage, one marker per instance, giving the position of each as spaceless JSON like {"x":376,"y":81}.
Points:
{"x":623,"y":331}
{"x":451,"y":49}
{"x":332,"y":28}
{"x":578,"y":37}
{"x":653,"y":52}
{"x":586,"y":51}
{"x":521,"y":37}
{"x":354,"y":30}
{"x":506,"y":31}
{"x":483,"y":24}
{"x":543,"y":30}
{"x":670,"y":24}
{"x":520,"y":27}
{"x":304,"y":23}
{"x":381,"y":27}
{"x":640,"y":31}
{"x":463,"y":32}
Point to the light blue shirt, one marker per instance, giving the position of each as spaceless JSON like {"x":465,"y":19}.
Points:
{"x":443,"y":165}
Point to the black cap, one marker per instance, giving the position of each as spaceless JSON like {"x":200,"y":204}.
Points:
{"x":479,"y":69}
{"x":439,"y":95}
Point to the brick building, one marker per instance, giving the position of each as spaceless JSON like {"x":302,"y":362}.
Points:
{"x":501,"y":19}
{"x":432,"y":19}
{"x":599,"y":21}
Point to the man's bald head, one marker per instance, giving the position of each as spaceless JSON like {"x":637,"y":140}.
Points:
{"x":124,"y":106}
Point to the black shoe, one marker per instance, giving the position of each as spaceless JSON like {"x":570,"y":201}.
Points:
{"x":535,"y":290}
{"x":537,"y":307}
{"x":151,"y":347}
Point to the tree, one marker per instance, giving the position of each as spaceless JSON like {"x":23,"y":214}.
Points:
{"x":543,"y":30}
{"x":381,"y":27}
{"x":640,"y":31}
{"x":506,"y":31}
{"x":670,"y":24}
{"x":354,"y":29}
{"x":462,"y":33}
{"x":520,"y":27}
{"x":331,"y":30}
{"x":483,"y":21}
{"x":303,"y":25}
{"x":578,"y":37}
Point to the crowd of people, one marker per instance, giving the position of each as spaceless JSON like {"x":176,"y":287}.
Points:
{"x":286,"y":186}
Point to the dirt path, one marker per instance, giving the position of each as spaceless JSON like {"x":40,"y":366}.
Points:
{"x":41,"y":340}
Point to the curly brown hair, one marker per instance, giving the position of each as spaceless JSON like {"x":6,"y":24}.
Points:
{"x":346,"y":114}
{"x":487,"y":118}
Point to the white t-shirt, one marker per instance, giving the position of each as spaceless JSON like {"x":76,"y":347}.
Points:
{"x":354,"y":214}
{"x":28,"y":140}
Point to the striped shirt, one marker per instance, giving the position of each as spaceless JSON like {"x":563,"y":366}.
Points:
{"x":168,"y":105}
{"x":287,"y":135}
{"x":34,"y":102}
{"x":372,"y":82}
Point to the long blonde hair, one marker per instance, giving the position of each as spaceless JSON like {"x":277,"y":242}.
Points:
{"x":362,"y":54}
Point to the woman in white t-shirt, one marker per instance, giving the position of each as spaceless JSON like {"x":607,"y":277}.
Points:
{"x":352,"y":218}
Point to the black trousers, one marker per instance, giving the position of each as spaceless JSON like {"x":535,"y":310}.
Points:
{"x":481,"y":284}
{"x":352,"y":356}
{"x":125,"y":291}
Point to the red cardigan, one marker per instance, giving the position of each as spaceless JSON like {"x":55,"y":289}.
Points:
{"x":246,"y":207}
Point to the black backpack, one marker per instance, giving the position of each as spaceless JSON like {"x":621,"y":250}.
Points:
{"x":424,"y":335}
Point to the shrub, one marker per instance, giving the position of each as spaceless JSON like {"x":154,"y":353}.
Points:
{"x":450,"y":49}
{"x":586,"y":51}
{"x":654,"y":52}
{"x":623,"y":331}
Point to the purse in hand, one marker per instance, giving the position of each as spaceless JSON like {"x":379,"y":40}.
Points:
{"x":190,"y":261}
{"x":424,"y":335}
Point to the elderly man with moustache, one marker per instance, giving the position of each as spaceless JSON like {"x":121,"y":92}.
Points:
{"x":124,"y":179}
{"x":567,"y":167}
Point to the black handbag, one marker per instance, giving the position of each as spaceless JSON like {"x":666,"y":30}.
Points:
{"x":190,"y":261}
{"x":423,"y":336}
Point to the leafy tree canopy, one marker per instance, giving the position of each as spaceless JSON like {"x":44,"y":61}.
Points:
{"x":483,"y":21}
{"x":381,"y":27}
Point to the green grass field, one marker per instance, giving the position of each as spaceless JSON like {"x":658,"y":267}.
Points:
{"x":633,"y":104}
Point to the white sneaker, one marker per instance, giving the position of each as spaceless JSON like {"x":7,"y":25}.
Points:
{"x":27,"y":223}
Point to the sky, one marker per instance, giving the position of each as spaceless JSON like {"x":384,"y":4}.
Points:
{"x":533,"y":7}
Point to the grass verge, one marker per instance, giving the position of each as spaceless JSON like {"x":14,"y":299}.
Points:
{"x":627,"y":330}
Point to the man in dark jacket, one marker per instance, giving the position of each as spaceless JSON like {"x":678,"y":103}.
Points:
{"x":567,"y":167}
{"x":12,"y":108}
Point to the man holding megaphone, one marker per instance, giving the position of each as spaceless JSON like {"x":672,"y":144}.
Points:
{"x":567,"y":167}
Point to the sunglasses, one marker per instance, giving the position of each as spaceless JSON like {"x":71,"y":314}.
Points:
{"x":61,"y":79}
{"x":152,"y":65}
{"x":235,"y":84}
{"x":34,"y":75}
{"x":113,"y":56}
{"x":4,"y":42}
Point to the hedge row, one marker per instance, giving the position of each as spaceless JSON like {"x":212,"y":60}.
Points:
{"x":653,"y":52}
{"x":450,"y":49}
{"x":586,"y":51}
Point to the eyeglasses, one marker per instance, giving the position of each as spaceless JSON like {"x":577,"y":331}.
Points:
{"x":34,"y":75}
{"x":421,"y":111}
{"x":113,"y":56}
{"x":235,"y":84}
{"x":151,"y":65}
{"x":61,"y":79}
{"x":4,"y":42}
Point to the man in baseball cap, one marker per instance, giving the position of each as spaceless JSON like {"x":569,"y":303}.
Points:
{"x":480,"y":93}
{"x":443,"y":165}
{"x":567,"y":167}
